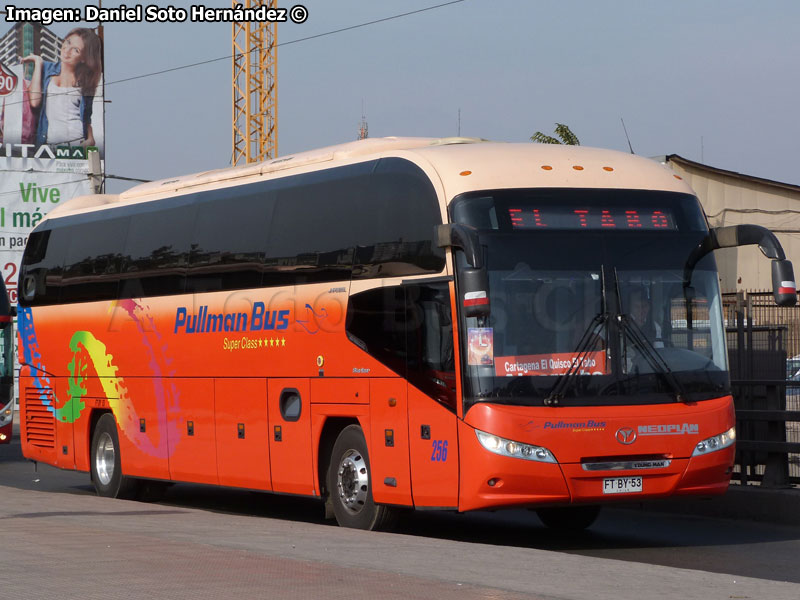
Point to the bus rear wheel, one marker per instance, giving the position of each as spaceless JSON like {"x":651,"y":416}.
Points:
{"x":105,"y":462}
{"x":568,"y":518}
{"x":349,"y":485}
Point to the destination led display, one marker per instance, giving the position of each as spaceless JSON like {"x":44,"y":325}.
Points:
{"x":582,"y":217}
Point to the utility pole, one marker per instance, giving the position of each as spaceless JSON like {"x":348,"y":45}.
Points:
{"x":95,"y":171}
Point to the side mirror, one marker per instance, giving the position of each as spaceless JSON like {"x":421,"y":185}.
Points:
{"x":473,"y":281}
{"x":784,"y":289}
{"x":783,"y":285}
{"x":463,"y":237}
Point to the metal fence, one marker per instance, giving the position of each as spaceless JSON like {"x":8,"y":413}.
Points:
{"x":763,"y":340}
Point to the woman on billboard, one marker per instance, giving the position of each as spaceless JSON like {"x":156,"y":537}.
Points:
{"x":63,"y":91}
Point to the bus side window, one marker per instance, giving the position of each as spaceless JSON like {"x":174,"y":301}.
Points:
{"x":409,"y":329}
{"x":91,"y":267}
{"x":376,"y":323}
{"x":43,"y":267}
{"x":227,"y":257}
{"x":157,"y":252}
{"x":396,"y":226}
{"x":315,"y":226}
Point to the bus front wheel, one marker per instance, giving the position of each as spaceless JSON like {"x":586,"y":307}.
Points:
{"x":349,"y":485}
{"x":105,"y":462}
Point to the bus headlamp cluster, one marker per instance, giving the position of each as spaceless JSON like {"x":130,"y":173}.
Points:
{"x":717,"y":442}
{"x":513,"y":449}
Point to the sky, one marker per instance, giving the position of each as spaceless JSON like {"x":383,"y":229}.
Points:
{"x":713,"y":81}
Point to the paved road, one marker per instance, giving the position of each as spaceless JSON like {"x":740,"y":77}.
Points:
{"x":58,"y":540}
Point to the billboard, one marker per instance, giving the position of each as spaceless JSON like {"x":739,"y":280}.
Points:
{"x":51,"y":103}
{"x":51,"y":115}
{"x":25,"y":197}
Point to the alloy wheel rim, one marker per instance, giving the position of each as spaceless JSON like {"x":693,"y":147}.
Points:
{"x":352,"y":481}
{"x":104,"y":459}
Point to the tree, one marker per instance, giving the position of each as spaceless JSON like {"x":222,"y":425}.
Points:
{"x":565,"y":136}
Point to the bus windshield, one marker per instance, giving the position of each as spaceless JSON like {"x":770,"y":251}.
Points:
{"x":591,"y":300}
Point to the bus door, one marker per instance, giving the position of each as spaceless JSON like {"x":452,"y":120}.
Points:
{"x":289,"y":435}
{"x":432,"y":421}
{"x":409,"y":328}
{"x":388,"y":441}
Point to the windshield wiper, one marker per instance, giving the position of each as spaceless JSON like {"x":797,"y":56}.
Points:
{"x":584,"y":345}
{"x":589,"y":337}
{"x":646,"y":348}
{"x":651,"y":355}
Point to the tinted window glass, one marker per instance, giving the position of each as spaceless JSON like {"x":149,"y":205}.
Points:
{"x":157,"y":252}
{"x":395,"y":225}
{"x":230,"y":235}
{"x":43,"y":267}
{"x":307,"y":228}
{"x":315,"y":226}
{"x":431,"y":361}
{"x":376,"y":323}
{"x":92,"y":267}
{"x":409,"y":329}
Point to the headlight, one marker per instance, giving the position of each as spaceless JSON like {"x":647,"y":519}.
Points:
{"x":513,"y":449}
{"x":718,"y":442}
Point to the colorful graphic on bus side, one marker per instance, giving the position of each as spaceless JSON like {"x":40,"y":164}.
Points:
{"x":88,"y":351}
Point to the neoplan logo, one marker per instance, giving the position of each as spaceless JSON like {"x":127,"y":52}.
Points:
{"x":625,"y":435}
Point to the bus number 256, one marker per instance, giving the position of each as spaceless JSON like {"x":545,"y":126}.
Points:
{"x":439,"y":451}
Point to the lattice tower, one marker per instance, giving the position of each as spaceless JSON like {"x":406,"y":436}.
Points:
{"x":255,"y":88}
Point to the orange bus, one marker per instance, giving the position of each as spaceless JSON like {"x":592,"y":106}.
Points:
{"x":7,"y":313}
{"x":386,"y":324}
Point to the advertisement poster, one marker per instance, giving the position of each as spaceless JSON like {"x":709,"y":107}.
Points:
{"x":51,"y":114}
{"x":51,"y":103}
{"x":24,"y":200}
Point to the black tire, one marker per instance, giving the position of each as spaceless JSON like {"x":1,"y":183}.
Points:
{"x":568,"y":518}
{"x":105,"y":462}
{"x":349,"y":485}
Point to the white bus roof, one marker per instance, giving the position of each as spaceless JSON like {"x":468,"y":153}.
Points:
{"x":462,"y":164}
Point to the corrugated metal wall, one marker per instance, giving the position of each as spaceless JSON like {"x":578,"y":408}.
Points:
{"x":733,"y":199}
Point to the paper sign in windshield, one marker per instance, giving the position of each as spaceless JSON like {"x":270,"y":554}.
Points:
{"x":592,"y":363}
{"x":481,"y":345}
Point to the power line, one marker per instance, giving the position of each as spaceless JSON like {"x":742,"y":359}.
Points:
{"x":297,"y":41}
